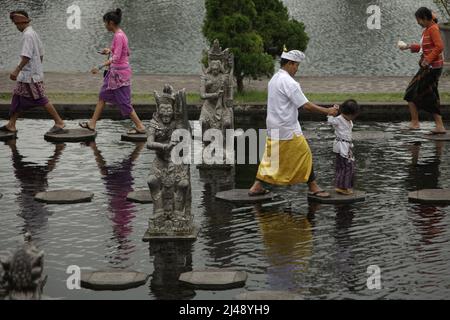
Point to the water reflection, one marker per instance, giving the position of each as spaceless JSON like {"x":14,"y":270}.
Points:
{"x":424,"y":171}
{"x":288,"y":242}
{"x":171,"y":259}
{"x":217,"y":215}
{"x":118,"y":181}
{"x":33,"y":178}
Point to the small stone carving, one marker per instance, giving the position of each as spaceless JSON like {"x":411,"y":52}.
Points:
{"x":217,"y":90}
{"x":22,"y":277}
{"x":169,"y":182}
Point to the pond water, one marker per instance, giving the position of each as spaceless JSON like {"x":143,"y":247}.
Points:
{"x":165,"y":35}
{"x":317,"y":251}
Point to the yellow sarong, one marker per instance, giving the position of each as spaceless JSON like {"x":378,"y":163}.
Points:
{"x":286,"y":162}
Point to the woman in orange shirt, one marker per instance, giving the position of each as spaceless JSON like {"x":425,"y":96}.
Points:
{"x":422,"y":92}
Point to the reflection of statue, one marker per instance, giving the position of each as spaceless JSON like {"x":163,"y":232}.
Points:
{"x":171,"y":259}
{"x":22,"y":276}
{"x":217,"y":90}
{"x":169,"y":183}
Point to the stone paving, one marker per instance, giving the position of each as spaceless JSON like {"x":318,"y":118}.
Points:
{"x":88,"y":83}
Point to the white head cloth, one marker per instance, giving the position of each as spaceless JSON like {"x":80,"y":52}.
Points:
{"x":294,"y":55}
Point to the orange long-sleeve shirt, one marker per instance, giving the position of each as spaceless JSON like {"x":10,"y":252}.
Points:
{"x":432,"y":46}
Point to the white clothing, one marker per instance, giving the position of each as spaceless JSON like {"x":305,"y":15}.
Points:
{"x":31,"y":48}
{"x":285,"y":96}
{"x":343,"y":130}
{"x":294,"y":55}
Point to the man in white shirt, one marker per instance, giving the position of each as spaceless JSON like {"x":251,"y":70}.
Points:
{"x":29,"y":76}
{"x":288,"y":159}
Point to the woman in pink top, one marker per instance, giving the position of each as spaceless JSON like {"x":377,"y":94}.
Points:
{"x":116,"y":87}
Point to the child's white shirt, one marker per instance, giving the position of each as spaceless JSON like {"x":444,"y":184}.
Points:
{"x":343,"y":131}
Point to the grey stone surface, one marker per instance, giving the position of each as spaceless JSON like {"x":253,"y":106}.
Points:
{"x":205,"y":166}
{"x":64,"y":196}
{"x":192,"y":235}
{"x":134,"y":137}
{"x":113,"y":280}
{"x":430,"y":196}
{"x":437,"y":137}
{"x":214,"y":279}
{"x":241,"y":196}
{"x":7,"y":135}
{"x":372,"y":135}
{"x":23,"y":277}
{"x":336,"y":198}
{"x":1,"y":195}
{"x":72,"y":135}
{"x":169,"y":182}
{"x":141,"y":196}
{"x":268,"y":295}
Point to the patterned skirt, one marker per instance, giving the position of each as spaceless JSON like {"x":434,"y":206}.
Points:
{"x":423,"y":90}
{"x":27,"y":96}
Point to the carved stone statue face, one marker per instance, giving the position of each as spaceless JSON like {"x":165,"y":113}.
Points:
{"x":166,"y":113}
{"x":214,"y":67}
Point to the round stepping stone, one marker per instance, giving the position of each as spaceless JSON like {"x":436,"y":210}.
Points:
{"x":336,"y":198}
{"x":72,"y":135}
{"x":142,"y":196}
{"x":438,"y":137}
{"x":431,"y":196}
{"x":268,"y":295}
{"x":241,"y":196}
{"x":214,"y":279}
{"x":113,"y":280}
{"x":134,"y":137}
{"x":4,"y":136}
{"x":372,"y":135}
{"x":64,"y":197}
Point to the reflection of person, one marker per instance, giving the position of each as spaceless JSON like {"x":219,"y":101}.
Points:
{"x":424,"y":174}
{"x":116,"y":87}
{"x":119,"y":182}
{"x":29,"y":91}
{"x":422,"y":92}
{"x":33,"y":178}
{"x":285,"y":97}
{"x":288,"y":243}
{"x":343,"y":146}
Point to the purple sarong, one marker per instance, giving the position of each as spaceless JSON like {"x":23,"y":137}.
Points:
{"x":27,"y":96}
{"x":120,"y":97}
{"x":345,"y":171}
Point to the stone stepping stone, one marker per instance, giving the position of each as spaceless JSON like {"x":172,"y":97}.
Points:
{"x":430,"y":196}
{"x":72,"y":135}
{"x":241,"y":196}
{"x":437,"y":137}
{"x":372,"y":135}
{"x":141,"y":196}
{"x":64,"y":197}
{"x":148,"y":237}
{"x":113,"y":280}
{"x":214,"y":279}
{"x":4,"y":136}
{"x":134,"y":137}
{"x":337,"y":198}
{"x":268,"y":295}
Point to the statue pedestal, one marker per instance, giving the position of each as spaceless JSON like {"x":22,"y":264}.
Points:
{"x":159,"y":236}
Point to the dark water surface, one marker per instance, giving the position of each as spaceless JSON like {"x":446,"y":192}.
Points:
{"x":165,"y":35}
{"x":317,"y":251}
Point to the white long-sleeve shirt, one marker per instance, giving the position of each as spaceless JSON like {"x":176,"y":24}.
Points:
{"x":343,"y":130}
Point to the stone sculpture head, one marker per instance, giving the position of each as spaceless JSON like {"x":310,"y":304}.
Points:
{"x":165,"y":104}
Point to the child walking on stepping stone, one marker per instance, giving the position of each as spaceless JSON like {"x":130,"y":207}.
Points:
{"x":343,"y":146}
{"x":116,"y":87}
